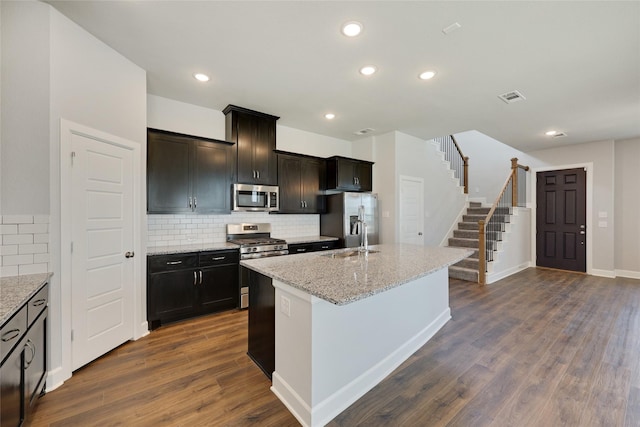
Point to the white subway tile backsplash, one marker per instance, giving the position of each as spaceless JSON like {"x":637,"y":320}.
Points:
{"x":33,"y":268}
{"x":188,"y":229}
{"x":17,"y":259}
{"x":9,"y":229}
{"x":17,"y":219}
{"x":9,"y":271}
{"x":33,"y":228}
{"x":25,"y":248}
{"x":40,"y":248}
{"x":17,"y":239}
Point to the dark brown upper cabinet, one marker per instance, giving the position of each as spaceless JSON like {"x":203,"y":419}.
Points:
{"x":301,"y":180}
{"x":188,"y":174}
{"x":255,"y":136}
{"x":347,"y":174}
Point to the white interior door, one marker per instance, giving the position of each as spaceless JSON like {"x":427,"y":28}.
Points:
{"x":411,"y":210}
{"x":102,"y":277}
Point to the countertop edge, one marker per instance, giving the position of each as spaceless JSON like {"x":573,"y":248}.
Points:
{"x":356,"y":297}
{"x":11,"y":284}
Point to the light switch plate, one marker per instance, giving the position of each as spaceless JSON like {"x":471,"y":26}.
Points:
{"x":603,"y":214}
{"x":285,"y":306}
{"x":602,"y":224}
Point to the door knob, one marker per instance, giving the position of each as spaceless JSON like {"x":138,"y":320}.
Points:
{"x":129,"y":254}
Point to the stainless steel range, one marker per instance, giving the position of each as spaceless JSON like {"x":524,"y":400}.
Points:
{"x":255,"y":242}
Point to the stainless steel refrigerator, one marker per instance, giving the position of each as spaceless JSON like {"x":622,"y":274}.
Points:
{"x":344,"y":217}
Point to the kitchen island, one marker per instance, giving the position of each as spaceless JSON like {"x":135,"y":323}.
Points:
{"x":344,"y":320}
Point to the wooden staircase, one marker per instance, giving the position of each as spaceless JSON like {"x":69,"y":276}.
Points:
{"x":466,"y":236}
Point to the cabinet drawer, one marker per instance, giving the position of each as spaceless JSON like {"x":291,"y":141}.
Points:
{"x":324,"y":246}
{"x":300,"y":248}
{"x":158,"y":263}
{"x":12,"y":332}
{"x":208,"y":259}
{"x":37,"y":304}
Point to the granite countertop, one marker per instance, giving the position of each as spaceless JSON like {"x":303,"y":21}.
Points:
{"x":15,"y":291}
{"x":344,"y":280}
{"x":308,"y":239}
{"x":196,"y":247}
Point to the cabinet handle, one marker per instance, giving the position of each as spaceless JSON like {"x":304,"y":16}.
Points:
{"x":218,"y":258}
{"x":39,"y":302}
{"x":195,"y":203}
{"x":174,"y":262}
{"x":195,"y":278}
{"x":258,"y":174}
{"x":201,"y":277}
{"x":190,"y":204}
{"x":32,"y":347}
{"x":7,"y":338}
{"x":254,"y":174}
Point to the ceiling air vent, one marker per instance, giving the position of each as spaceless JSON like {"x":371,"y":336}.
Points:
{"x":364,"y":131}
{"x":511,"y":97}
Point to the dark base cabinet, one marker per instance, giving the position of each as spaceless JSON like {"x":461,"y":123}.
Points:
{"x":181,"y":286}
{"x":262,"y":322}
{"x":23,"y":371}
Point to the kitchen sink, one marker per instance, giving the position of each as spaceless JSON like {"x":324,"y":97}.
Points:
{"x":348,"y":254}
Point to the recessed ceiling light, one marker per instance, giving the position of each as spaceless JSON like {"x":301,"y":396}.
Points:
{"x":368,"y":70}
{"x":352,"y":28}
{"x":551,"y":132}
{"x":329,"y":116}
{"x":201,"y":77}
{"x":427,"y":75}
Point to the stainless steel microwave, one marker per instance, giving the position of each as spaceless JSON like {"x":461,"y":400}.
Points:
{"x":255,"y":198}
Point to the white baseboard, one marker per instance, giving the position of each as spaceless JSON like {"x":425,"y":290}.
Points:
{"x":494,"y":277}
{"x":55,"y":378}
{"x":628,"y":273}
{"x":603,"y":273}
{"x":328,"y":409}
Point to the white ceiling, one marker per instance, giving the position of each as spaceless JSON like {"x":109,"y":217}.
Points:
{"x":577,"y":63}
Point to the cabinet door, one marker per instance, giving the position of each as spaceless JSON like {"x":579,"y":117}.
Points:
{"x":289,"y":182}
{"x":172,"y":295}
{"x":219,"y":288}
{"x":347,"y":174}
{"x":364,"y":175}
{"x":10,"y":391}
{"x":212,"y":176}
{"x":264,"y":159}
{"x":35,"y":360}
{"x":168,"y":179}
{"x":246,"y":134}
{"x":312,"y":182}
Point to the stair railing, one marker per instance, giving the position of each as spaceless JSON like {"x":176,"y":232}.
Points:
{"x":459,"y":163}
{"x":490,"y":229}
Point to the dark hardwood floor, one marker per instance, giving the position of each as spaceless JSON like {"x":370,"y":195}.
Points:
{"x":540,"y":348}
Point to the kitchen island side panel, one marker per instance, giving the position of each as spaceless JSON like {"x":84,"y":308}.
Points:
{"x":328,"y":356}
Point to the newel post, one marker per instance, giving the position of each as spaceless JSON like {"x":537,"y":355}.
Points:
{"x":482,"y":254}
{"x":466,"y":174}
{"x":514,"y":182}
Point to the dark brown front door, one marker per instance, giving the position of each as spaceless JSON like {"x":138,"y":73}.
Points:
{"x":561,"y":219}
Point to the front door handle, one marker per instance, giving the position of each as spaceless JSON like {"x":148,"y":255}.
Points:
{"x":129,"y":254}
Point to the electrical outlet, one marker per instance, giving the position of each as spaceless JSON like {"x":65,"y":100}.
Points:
{"x":285,"y":305}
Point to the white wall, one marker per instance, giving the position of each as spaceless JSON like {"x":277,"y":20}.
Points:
{"x":627,"y":208}
{"x":443,"y":198}
{"x":489,"y":164}
{"x":94,"y":86}
{"x":176,"y":116}
{"x":25,"y":108}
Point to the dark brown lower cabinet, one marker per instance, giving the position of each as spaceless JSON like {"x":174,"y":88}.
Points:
{"x":262,"y":322}
{"x":181,"y":286}
{"x":23,"y":371}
